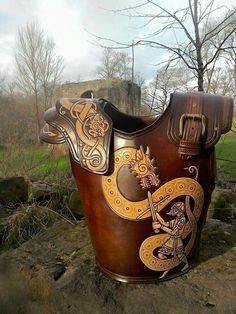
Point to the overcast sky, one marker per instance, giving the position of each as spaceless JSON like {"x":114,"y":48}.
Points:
{"x":66,"y":22}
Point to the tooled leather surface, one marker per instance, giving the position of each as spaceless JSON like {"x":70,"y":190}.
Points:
{"x":85,"y":128}
{"x":51,"y":135}
{"x":217,"y":112}
{"x":145,"y":171}
{"x":122,"y":228}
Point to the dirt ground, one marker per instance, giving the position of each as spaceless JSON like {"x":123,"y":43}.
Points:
{"x":55,"y":272}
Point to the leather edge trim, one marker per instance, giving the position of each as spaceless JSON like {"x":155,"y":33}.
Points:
{"x":227,"y":115}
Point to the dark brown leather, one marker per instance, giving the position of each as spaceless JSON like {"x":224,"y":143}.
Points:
{"x":198,"y":120}
{"x":145,"y":214}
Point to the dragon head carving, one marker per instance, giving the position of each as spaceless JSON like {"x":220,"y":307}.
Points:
{"x":144,"y":169}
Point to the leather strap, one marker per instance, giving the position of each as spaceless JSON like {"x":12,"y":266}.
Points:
{"x":197,"y":121}
{"x":192,"y":128}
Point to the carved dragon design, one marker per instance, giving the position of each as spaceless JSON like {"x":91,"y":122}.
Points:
{"x":143,"y":167}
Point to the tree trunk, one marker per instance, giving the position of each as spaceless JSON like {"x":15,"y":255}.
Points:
{"x":200,"y":79}
{"x":198,"y":44}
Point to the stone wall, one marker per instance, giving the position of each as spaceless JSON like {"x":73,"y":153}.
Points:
{"x":123,"y":94}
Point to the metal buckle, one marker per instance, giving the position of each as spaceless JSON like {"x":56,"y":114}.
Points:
{"x":193,"y":117}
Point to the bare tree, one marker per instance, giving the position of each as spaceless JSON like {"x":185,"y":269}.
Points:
{"x":114,"y":64}
{"x":50,"y":70}
{"x":2,"y":81}
{"x":230,"y":57}
{"x":37,"y":67}
{"x":139,"y":80}
{"x":191,"y":21}
{"x":219,"y":75}
{"x":222,"y":82}
{"x":168,"y":79}
{"x":124,"y":66}
{"x":28,"y":47}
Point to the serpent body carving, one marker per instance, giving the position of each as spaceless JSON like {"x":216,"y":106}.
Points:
{"x":139,"y":210}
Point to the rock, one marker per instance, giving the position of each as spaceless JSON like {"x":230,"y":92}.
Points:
{"x":223,"y":204}
{"x":55,"y":272}
{"x":40,"y":191}
{"x":13,"y":190}
{"x":32,"y":289}
{"x":53,"y":195}
{"x":75,"y":205}
{"x":215,"y":233}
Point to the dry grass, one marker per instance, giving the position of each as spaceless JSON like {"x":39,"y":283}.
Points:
{"x":28,"y":221}
{"x":25,"y":223}
{"x":38,"y":164}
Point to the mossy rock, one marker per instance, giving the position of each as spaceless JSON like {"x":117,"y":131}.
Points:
{"x":13,"y":190}
{"x":223,"y":204}
{"x":75,"y":205}
{"x":40,"y":191}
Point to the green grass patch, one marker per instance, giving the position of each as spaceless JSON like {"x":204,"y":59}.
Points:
{"x":41,"y":164}
{"x":51,"y":167}
{"x":226,"y":150}
{"x":36,"y":164}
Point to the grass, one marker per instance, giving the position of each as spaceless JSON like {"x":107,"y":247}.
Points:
{"x":35,"y":164}
{"x":42,"y":164}
{"x":226,"y":149}
{"x":24,"y":223}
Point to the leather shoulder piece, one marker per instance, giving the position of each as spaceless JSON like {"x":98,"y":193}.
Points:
{"x":197,"y":121}
{"x":85,"y":128}
{"x":50,"y":135}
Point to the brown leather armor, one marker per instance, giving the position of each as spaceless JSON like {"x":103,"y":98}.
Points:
{"x":145,"y":186}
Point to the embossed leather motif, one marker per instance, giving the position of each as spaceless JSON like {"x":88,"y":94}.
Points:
{"x":145,"y":212}
{"x":85,"y":128}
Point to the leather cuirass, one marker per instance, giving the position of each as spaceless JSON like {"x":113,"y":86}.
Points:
{"x":145,"y":185}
